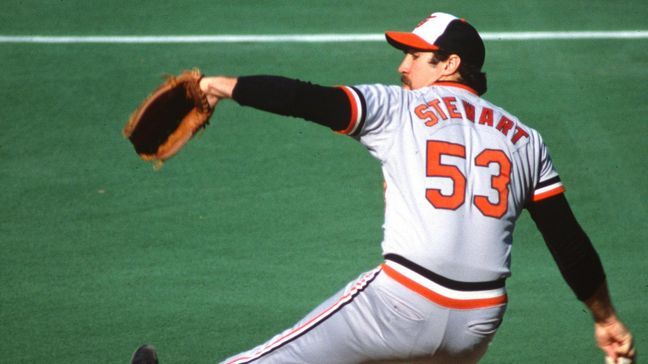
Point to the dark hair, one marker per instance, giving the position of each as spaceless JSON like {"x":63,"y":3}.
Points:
{"x":469,"y":74}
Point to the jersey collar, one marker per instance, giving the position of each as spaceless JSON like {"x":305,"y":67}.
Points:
{"x":455,"y":84}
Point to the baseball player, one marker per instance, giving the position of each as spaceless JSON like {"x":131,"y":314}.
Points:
{"x":458,"y":172}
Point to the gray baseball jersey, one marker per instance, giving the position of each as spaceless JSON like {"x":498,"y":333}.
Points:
{"x":458,"y":171}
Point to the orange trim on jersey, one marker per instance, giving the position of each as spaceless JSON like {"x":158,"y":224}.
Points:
{"x":354,"y":111}
{"x":547,"y":194}
{"x":455,"y":84}
{"x":440,"y":299}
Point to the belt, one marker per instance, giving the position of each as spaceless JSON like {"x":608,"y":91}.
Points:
{"x":441,"y":290}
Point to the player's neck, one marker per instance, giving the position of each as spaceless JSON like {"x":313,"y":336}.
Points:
{"x":455,"y":77}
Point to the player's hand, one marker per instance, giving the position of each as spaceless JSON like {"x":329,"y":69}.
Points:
{"x":204,"y":87}
{"x":217,"y":88}
{"x":615,"y":340}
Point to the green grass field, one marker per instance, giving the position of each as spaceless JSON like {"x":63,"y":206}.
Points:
{"x":261,"y":217}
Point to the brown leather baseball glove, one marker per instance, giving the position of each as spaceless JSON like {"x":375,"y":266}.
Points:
{"x":169,"y":117}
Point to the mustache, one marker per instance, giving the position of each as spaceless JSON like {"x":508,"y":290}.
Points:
{"x":405,"y":81}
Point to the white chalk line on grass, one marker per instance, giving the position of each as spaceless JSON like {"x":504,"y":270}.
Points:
{"x":307,"y":38}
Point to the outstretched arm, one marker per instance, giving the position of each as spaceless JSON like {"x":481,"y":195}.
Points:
{"x":328,"y":106}
{"x":582,"y":269}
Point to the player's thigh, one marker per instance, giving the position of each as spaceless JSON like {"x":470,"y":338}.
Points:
{"x":383,"y":320}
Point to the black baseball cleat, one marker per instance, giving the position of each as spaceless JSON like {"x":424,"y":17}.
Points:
{"x":145,"y":354}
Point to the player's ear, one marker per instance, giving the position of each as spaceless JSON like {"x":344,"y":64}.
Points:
{"x":452,"y":64}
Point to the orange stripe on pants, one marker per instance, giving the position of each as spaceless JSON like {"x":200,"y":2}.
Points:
{"x":440,"y":299}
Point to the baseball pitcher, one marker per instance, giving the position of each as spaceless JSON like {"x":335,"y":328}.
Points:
{"x":458,"y":172}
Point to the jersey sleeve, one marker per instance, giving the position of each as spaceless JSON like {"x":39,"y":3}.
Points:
{"x":375,"y":116}
{"x":549,"y":183}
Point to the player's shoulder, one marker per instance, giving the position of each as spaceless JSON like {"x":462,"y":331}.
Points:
{"x":534,"y":134}
{"x":381,"y":98}
{"x":378,"y":89}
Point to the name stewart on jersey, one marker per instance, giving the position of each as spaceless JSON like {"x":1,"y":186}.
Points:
{"x":432,"y":112}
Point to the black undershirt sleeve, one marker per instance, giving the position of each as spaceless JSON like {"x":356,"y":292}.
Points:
{"x":328,"y":106}
{"x":569,"y":245}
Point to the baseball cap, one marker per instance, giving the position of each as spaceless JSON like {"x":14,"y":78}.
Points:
{"x":441,"y":31}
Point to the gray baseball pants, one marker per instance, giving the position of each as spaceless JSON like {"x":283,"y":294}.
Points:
{"x":376,"y":319}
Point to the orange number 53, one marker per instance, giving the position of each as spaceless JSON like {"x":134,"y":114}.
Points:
{"x":500,"y":183}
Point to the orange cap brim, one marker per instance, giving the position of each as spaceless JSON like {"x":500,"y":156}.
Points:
{"x":404,"y":40}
